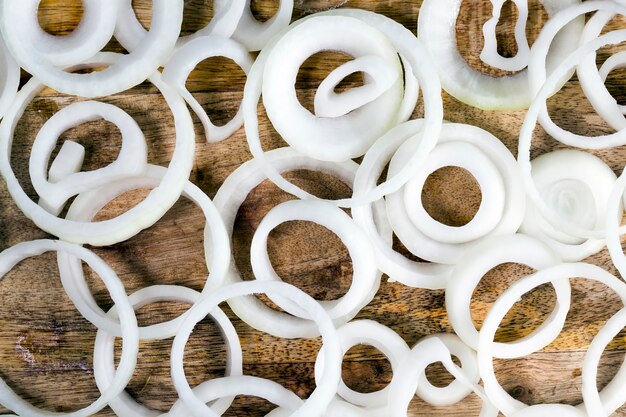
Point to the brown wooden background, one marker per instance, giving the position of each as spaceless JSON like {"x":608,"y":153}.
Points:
{"x":46,"y":346}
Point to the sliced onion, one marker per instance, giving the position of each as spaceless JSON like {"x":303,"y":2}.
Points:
{"x":406,"y":45}
{"x":456,"y":390}
{"x":187,"y":58}
{"x":437,"y":29}
{"x":336,"y":138}
{"x":134,"y":220}
{"x":365,"y":276}
{"x":122,"y":74}
{"x":479,"y":260}
{"x":132,"y":158}
{"x":612,"y":224}
{"x":104,"y":347}
{"x":88,"y":204}
{"x":576,"y":185}
{"x":538,"y":107}
{"x":229,"y":198}
{"x":367,"y":332}
{"x":130,"y":336}
{"x":324,"y":392}
{"x":554,"y":275}
{"x":20,"y":19}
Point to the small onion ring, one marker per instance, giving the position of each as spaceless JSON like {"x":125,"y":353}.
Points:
{"x":489,"y":55}
{"x":371,"y":333}
{"x":141,"y":216}
{"x":437,"y":29}
{"x":406,"y":45}
{"x":130,"y":336}
{"x":86,"y":206}
{"x":121,"y":74}
{"x":104,"y":346}
{"x":555,"y":274}
{"x":132,"y":158}
{"x":456,"y":390}
{"x":365,"y":276}
{"x":229,"y":198}
{"x":325,"y":390}
{"x":481,"y":258}
{"x":186,"y":58}
{"x":577,"y":185}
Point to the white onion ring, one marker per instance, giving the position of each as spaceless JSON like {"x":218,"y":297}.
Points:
{"x":132,"y":158}
{"x":489,"y":55}
{"x":456,"y":390}
{"x":229,"y":198}
{"x":592,"y":80}
{"x":130,"y":336}
{"x":539,"y":105}
{"x":503,"y":201}
{"x":365,"y":276}
{"x":576,"y":185}
{"x":68,"y":161}
{"x":481,"y":258}
{"x":130,"y":33}
{"x":121,"y":74}
{"x":328,"y":139}
{"x":134,"y":220}
{"x":426,"y":351}
{"x":325,"y":390}
{"x":85,"y":207}
{"x":614,"y":392}
{"x":186,"y":58}
{"x":437,"y":29}
{"x":396,"y":266}
{"x":372,"y":333}
{"x":254,"y":34}
{"x":104,"y":346}
{"x":92,"y":34}
{"x":543,"y":87}
{"x":414,"y":53}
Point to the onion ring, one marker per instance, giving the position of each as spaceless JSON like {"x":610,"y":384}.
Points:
{"x":132,"y":159}
{"x":186,"y":58}
{"x":576,"y":185}
{"x":229,"y":198}
{"x":489,"y":55}
{"x":85,"y":207}
{"x":372,"y":333}
{"x":121,"y":74}
{"x":134,"y":220}
{"x":130,"y":336}
{"x":558,"y":273}
{"x":436,"y":26}
{"x":476,"y":262}
{"x":103,"y":355}
{"x":325,"y":390}
{"x":406,"y":45}
{"x":254,"y":34}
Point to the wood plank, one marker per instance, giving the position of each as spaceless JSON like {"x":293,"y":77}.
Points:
{"x":45,"y":345}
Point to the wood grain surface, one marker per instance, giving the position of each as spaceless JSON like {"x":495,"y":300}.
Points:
{"x":46,"y":346}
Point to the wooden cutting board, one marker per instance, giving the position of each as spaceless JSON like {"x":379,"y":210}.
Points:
{"x":46,"y":346}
